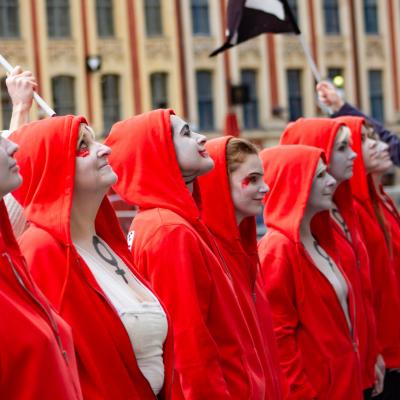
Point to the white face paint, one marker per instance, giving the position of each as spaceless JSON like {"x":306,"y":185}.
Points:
{"x":93,"y":173}
{"x":370,"y":154}
{"x":10,"y":178}
{"x":192,"y":157}
{"x":342,"y":158}
{"x":322,"y":190}
{"x":384,"y":160}
{"x":248,"y":187}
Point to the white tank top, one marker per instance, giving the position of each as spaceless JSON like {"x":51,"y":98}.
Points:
{"x":145,"y":321}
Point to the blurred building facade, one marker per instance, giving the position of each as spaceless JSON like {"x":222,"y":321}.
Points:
{"x":154,"y":53}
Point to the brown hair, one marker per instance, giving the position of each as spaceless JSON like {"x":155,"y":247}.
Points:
{"x":237,"y":151}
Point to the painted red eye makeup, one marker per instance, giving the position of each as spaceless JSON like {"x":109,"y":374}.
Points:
{"x":82,"y":152}
{"x":246,"y":181}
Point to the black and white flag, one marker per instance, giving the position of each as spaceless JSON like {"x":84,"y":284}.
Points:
{"x":249,"y":18}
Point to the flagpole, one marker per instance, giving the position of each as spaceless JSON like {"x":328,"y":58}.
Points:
{"x":42,"y":104}
{"x":311,"y":62}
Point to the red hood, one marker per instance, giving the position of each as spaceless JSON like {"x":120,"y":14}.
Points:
{"x":7,"y":239}
{"x":359,"y":181}
{"x":317,"y":132}
{"x":143,"y":156}
{"x":321,"y":133}
{"x":47,"y":163}
{"x":218,"y":209}
{"x":289,"y":172}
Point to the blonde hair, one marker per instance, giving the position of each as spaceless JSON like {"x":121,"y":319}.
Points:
{"x":237,"y":151}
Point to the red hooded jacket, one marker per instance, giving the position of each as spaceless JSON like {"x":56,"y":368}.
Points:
{"x":37,"y":359}
{"x":106,"y":360}
{"x":174,"y":250}
{"x":321,"y":133}
{"x":384,"y":285}
{"x":318,"y":353}
{"x":238,"y":245}
{"x":392,"y":217}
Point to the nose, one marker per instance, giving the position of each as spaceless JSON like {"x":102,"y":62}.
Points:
{"x":12,"y":147}
{"x":103,"y":150}
{"x":373,"y":144}
{"x":201,"y":139}
{"x":264,"y":188}
{"x":353,"y":155}
{"x":331,"y":181}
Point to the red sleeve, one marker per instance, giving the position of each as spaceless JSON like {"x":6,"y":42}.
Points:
{"x":175,"y":264}
{"x":46,"y":262}
{"x":280,"y":288}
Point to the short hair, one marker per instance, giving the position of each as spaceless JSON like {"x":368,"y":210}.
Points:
{"x":237,"y":151}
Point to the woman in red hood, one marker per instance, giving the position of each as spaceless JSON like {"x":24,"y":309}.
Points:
{"x":376,"y":235}
{"x":311,"y":300}
{"x":382,"y":164}
{"x":334,"y":138}
{"x":230,"y":216}
{"x":79,"y":258}
{"x":158,"y":159}
{"x":37,"y":354}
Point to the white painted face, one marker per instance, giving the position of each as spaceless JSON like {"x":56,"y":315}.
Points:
{"x":342,"y":158}
{"x":370,"y":154}
{"x":322,"y":189}
{"x":93,"y":173}
{"x":248,"y":187}
{"x":192,"y":157}
{"x":384,"y":160}
{"x":10,"y":179}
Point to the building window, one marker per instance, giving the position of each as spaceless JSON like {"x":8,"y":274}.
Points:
{"x":205,"y":106}
{"x":153,"y":18}
{"x":58,"y":19}
{"x":250,"y":109}
{"x":376,"y":94}
{"x":9,"y":19}
{"x":6,"y":105}
{"x":159,"y":91}
{"x":371,"y":16}
{"x":331,"y":14}
{"x":63,"y":90}
{"x":295,"y":101}
{"x":295,"y":10}
{"x":110,"y":100}
{"x":200,"y":17}
{"x":105,"y":18}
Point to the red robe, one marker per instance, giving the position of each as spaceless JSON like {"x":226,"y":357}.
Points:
{"x":321,"y":133}
{"x":318,"y":351}
{"x":173,"y":249}
{"x":392,"y":217}
{"x":238,"y":245}
{"x":33,"y":337}
{"x":386,"y":293}
{"x":106,"y":360}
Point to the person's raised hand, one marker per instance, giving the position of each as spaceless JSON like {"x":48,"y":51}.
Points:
{"x":329,"y":96}
{"x":21,"y":85}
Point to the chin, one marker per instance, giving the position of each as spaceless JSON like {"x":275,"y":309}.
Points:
{"x":206,"y":167}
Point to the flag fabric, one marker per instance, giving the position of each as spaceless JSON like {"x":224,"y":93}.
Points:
{"x":250,"y":18}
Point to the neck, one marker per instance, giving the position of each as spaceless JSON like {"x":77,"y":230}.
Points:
{"x":376,"y":178}
{"x":189,"y":185}
{"x":305,"y":226}
{"x":83,"y":215}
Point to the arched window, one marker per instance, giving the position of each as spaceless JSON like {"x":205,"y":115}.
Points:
{"x":63,"y":90}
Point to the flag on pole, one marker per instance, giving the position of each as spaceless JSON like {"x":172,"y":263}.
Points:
{"x":250,"y":18}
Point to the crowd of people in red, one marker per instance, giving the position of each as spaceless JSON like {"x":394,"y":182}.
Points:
{"x":190,"y":305}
